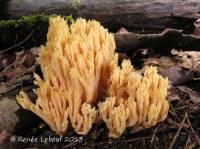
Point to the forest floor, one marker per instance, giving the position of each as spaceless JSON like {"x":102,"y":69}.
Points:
{"x":181,"y":129}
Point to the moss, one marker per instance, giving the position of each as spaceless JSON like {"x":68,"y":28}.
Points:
{"x":75,"y":4}
{"x":15,"y":31}
{"x":18,"y":2}
{"x":69,"y":19}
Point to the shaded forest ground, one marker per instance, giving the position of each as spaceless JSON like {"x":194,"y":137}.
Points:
{"x":19,"y":42}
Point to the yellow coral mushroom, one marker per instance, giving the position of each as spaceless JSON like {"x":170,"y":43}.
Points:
{"x":51,"y":105}
{"x":134,"y":101}
{"x":80,"y":68}
{"x":76,"y":63}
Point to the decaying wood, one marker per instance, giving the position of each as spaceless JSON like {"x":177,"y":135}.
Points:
{"x":148,"y":15}
{"x":163,"y":42}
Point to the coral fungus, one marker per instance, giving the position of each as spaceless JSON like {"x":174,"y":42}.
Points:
{"x":134,"y":101}
{"x":80,"y":68}
{"x":76,"y":63}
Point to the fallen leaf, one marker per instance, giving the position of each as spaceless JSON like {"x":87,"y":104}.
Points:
{"x":197,"y":27}
{"x":175,"y":125}
{"x":188,"y":59}
{"x":194,"y":96}
{"x":4,"y":135}
{"x":161,"y":63}
{"x":14,"y":82}
{"x":168,"y":67}
{"x":172,"y":94}
{"x":122,"y":31}
{"x":177,"y":75}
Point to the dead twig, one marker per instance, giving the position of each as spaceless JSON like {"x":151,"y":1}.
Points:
{"x":173,"y":111}
{"x":196,"y":136}
{"x":31,"y":69}
{"x":186,"y":144}
{"x":16,"y":45}
{"x":177,"y":133}
{"x":71,"y":144}
{"x":187,"y":106}
{"x":135,"y":139}
{"x":152,"y":139}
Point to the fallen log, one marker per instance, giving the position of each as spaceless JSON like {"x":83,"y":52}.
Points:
{"x":161,"y":43}
{"x":30,"y":31}
{"x":135,"y":15}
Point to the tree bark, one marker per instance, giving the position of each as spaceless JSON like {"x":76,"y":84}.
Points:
{"x":135,"y":15}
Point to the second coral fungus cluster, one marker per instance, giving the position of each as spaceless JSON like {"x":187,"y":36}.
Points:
{"x":83,"y":83}
{"x":134,"y":101}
